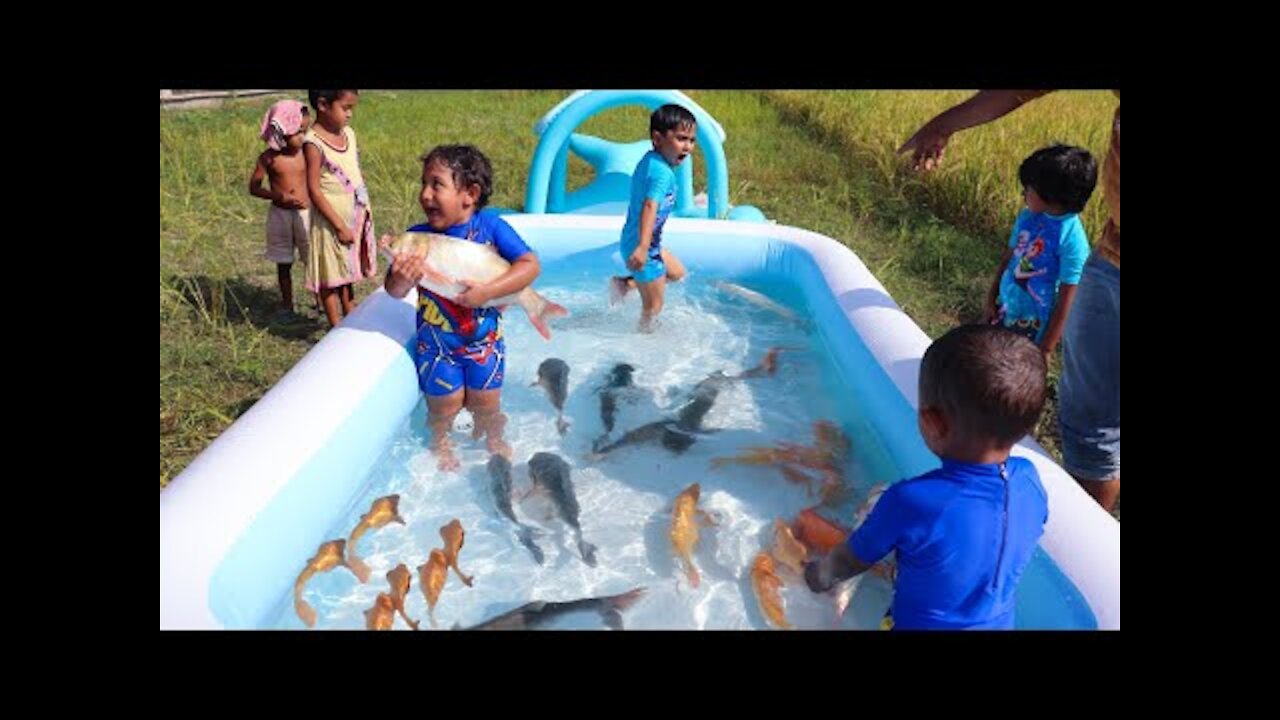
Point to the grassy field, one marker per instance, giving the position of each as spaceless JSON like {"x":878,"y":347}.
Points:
{"x":819,"y":160}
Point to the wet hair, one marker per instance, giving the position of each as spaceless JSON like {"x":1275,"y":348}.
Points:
{"x":989,"y":381}
{"x":669,"y":117}
{"x":1061,"y":175}
{"x":330,"y":96}
{"x":468,"y":165}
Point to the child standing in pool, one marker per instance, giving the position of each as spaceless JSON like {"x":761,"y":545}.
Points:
{"x":653,"y":195}
{"x":460,"y":353}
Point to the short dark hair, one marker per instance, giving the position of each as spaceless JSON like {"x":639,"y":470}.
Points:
{"x":329,"y":96}
{"x":987,"y":379}
{"x":669,"y":117}
{"x":1061,"y":174}
{"x":468,"y":165}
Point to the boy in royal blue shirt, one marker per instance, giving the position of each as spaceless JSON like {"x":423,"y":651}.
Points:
{"x":965,"y":532}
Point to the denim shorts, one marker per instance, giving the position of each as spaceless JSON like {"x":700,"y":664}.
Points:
{"x":1089,"y":390}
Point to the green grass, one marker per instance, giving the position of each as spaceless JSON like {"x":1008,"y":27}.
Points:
{"x":823,"y":161}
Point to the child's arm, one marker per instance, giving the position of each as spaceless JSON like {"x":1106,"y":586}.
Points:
{"x":519,"y":276}
{"x":1058,"y":319}
{"x":840,"y":565}
{"x":648,"y":218}
{"x":1073,"y":252}
{"x":318,"y":200}
{"x":994,"y":293}
{"x":878,"y":535}
{"x":256,"y":188}
{"x":405,"y":272}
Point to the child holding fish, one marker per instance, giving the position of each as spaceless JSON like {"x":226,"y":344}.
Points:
{"x":460,"y":354}
{"x":965,"y":532}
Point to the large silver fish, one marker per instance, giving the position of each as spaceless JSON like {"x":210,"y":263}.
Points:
{"x":452,"y":260}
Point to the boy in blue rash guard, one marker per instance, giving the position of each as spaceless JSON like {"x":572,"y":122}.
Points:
{"x":965,"y":532}
{"x":653,"y":195}
{"x":460,"y":353}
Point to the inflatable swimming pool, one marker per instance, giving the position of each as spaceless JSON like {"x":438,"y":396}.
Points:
{"x":239,"y":523}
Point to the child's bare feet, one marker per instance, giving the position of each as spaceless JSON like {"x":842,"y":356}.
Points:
{"x":448,"y":461}
{"x":498,"y":446}
{"x":443,"y":450}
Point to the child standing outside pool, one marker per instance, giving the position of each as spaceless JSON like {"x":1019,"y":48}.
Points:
{"x":672,"y":129}
{"x":285,"y":167}
{"x":1036,"y":281}
{"x":342,"y":239}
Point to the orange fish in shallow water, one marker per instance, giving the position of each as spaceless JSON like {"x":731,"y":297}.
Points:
{"x":766,"y":584}
{"x":432,"y":575}
{"x":684,"y":529}
{"x":454,"y":536}
{"x":382,"y":615}
{"x":830,"y":440}
{"x":328,"y":556}
{"x":383,"y":510}
{"x":752,"y":456}
{"x":400,"y":579}
{"x":787,"y":549}
{"x":818,"y":534}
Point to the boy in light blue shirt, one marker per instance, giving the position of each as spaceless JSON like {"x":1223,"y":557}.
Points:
{"x":653,"y":196}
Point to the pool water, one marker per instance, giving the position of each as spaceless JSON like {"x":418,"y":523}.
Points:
{"x":626,"y":496}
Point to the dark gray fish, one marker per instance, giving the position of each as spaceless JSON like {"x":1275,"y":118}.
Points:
{"x":500,"y":472}
{"x":532,"y":614}
{"x":553,"y":376}
{"x":664,"y":431}
{"x":551,"y":472}
{"x":689,"y":418}
{"x":619,"y":379}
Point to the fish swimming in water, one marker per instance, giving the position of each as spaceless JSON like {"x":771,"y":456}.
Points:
{"x":665,"y":431}
{"x":382,"y":615}
{"x":685,"y":516}
{"x":787,"y":549}
{"x":767,"y":587}
{"x":618,"y":383}
{"x":383,"y":510}
{"x":551,"y":473}
{"x":679,"y":434}
{"x":553,"y":376}
{"x":454,"y":262}
{"x":758,"y":299}
{"x":328,"y":556}
{"x":432,"y":575}
{"x":703,"y":397}
{"x":828,"y":455}
{"x":818,"y":534}
{"x":453,"y":536}
{"x":399,"y":578}
{"x":500,"y":486}
{"x":535,"y":613}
